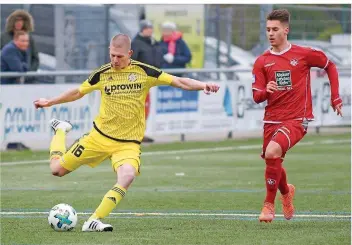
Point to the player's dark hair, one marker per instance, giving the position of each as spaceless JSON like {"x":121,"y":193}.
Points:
{"x":281,"y":15}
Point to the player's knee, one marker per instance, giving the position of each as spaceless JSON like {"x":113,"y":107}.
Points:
{"x":56,"y":173}
{"x":126,"y":174}
{"x":127,"y":179}
{"x":273,"y":151}
{"x":270,"y":154}
{"x":58,"y":170}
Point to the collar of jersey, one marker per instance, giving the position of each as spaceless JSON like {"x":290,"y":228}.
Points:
{"x":282,"y":52}
{"x":126,"y":68}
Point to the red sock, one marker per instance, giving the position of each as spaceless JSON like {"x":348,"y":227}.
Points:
{"x":272,"y":178}
{"x":283,"y":187}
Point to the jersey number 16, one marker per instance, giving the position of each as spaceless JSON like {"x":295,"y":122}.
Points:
{"x":78,"y":150}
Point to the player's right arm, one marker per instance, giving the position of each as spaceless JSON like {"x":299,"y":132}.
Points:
{"x":260,"y":88}
{"x":68,"y":96}
{"x":92,"y":83}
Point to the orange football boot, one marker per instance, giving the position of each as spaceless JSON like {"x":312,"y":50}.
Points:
{"x":287,"y":202}
{"x":268,"y":213}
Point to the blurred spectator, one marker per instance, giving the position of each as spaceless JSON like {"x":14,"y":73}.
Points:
{"x":21,"y":20}
{"x":176,"y":53}
{"x":14,"y":57}
{"x":92,"y":56}
{"x":145,"y":48}
{"x":70,"y":42}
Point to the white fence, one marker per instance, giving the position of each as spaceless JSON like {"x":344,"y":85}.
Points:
{"x":170,"y":111}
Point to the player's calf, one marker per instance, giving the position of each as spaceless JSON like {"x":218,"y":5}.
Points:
{"x":57,"y":146}
{"x":273,"y":168}
{"x":125,"y":176}
{"x":272,"y":178}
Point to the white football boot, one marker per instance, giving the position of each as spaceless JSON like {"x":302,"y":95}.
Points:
{"x":58,"y":124}
{"x":96,"y":225}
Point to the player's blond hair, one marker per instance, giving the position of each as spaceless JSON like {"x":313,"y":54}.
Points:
{"x":121,"y":41}
{"x":281,"y":15}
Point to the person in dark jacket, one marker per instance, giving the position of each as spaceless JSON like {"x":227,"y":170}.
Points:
{"x":145,"y":48}
{"x":14,"y":57}
{"x":21,"y":20}
{"x":176,"y":53}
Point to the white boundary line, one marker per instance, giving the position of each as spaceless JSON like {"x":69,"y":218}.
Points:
{"x":197,"y":150}
{"x":191,"y":214}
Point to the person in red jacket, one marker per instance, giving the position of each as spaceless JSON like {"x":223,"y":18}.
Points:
{"x":282,"y":78}
{"x":176,"y":53}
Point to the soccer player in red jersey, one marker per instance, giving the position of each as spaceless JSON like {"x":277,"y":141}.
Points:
{"x":282,"y":78}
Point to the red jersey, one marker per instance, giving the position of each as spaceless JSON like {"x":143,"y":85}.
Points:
{"x":290,"y":69}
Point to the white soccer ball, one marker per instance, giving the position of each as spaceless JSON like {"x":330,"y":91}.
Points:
{"x":62,"y":217}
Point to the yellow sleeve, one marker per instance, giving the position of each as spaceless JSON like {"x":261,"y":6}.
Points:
{"x":93,"y":81}
{"x":86,"y":87}
{"x":163,"y":79}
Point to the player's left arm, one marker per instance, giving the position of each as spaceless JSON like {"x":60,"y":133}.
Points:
{"x":163,"y":78}
{"x":317,"y":58}
{"x":192,"y":84}
{"x":92,"y":83}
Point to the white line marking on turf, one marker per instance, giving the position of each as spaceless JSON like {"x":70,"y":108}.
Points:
{"x":197,"y":150}
{"x":23,"y":162}
{"x":192,"y":214}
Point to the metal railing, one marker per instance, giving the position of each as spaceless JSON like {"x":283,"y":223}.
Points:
{"x":87,"y":72}
{"x":51,"y":77}
{"x":342,"y":71}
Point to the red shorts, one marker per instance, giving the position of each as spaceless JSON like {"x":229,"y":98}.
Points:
{"x":286,"y":134}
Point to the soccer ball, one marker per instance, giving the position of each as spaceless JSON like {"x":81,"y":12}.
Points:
{"x":62,"y":217}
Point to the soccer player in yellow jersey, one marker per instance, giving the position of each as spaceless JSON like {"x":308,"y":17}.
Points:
{"x":119,"y":128}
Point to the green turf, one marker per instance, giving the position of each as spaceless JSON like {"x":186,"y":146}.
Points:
{"x":224,"y":182}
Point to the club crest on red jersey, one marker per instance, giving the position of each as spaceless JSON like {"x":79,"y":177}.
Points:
{"x":271,"y":181}
{"x":294,"y":62}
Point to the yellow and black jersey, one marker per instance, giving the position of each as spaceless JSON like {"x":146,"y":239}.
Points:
{"x":123,"y":93}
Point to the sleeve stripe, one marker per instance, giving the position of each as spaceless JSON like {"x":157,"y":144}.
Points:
{"x":100,"y":69}
{"x":95,"y":77}
{"x":288,"y":138}
{"x":257,"y":89}
{"x":103,"y":67}
{"x":327,"y":62}
{"x":143,"y":64}
{"x":148,"y":69}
